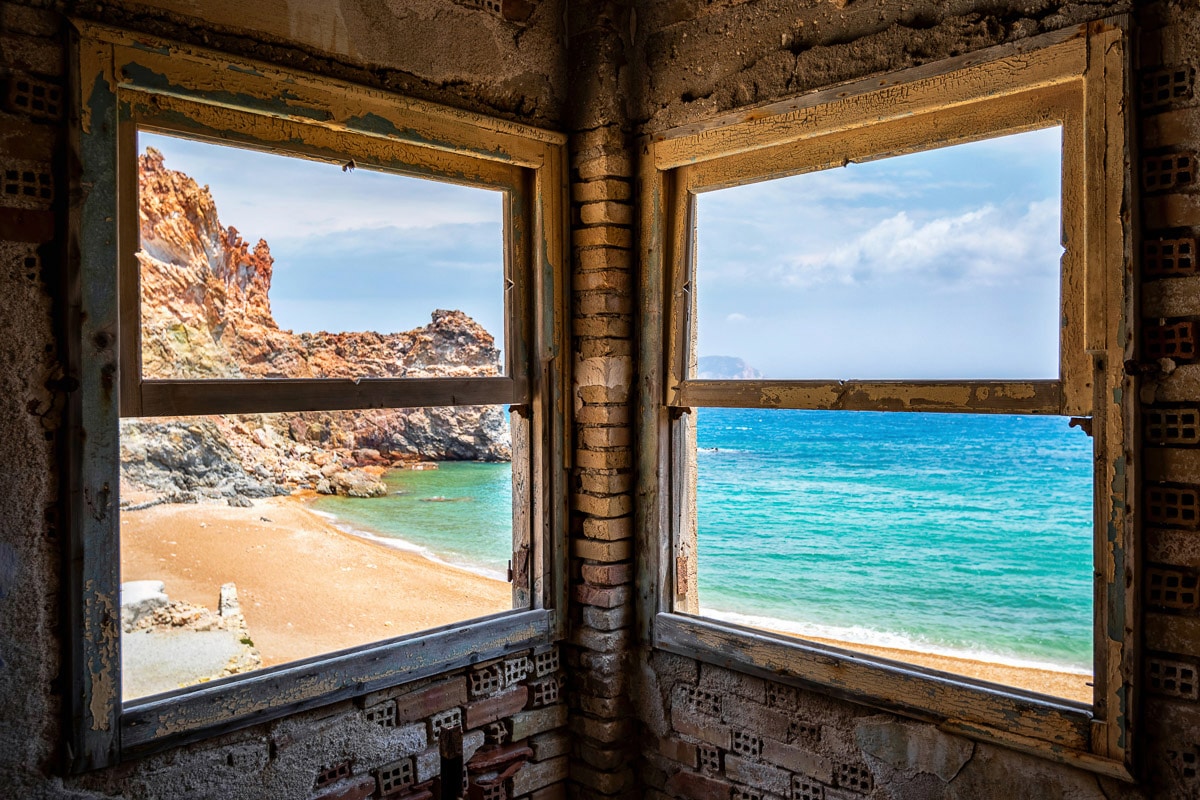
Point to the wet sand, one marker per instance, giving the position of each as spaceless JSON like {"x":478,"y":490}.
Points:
{"x":307,"y":588}
{"x":1070,"y":686}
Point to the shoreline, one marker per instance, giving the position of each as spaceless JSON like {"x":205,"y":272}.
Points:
{"x":305,"y":587}
{"x":1040,"y":678}
{"x":391,"y":542}
{"x":308,"y":586}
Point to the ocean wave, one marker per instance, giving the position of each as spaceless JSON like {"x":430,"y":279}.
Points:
{"x":396,"y":543}
{"x":890,"y":639}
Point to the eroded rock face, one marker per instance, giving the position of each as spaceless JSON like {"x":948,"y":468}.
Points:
{"x":206,"y":313}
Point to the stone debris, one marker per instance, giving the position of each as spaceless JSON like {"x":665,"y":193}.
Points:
{"x":168,"y":643}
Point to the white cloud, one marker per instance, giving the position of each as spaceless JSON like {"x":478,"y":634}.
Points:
{"x":984,"y":246}
{"x":279,"y":198}
{"x":735,"y":317}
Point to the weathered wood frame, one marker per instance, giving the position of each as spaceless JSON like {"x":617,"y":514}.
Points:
{"x":129,"y":81}
{"x":1077,"y":78}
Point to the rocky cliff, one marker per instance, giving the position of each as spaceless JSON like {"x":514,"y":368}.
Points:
{"x":206,"y":313}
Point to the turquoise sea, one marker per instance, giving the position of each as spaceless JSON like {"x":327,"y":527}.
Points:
{"x":960,"y":534}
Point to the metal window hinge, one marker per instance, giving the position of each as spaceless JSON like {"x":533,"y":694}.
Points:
{"x":510,"y":571}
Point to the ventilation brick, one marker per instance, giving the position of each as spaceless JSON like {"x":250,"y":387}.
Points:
{"x":1174,"y":340}
{"x":804,"y":731}
{"x":779,"y":696}
{"x":37,"y":98}
{"x":1169,"y":258}
{"x":711,"y":760}
{"x":1171,"y":171}
{"x":805,"y":788}
{"x":486,"y":681}
{"x":396,"y":776}
{"x":546,"y":663}
{"x":328,"y":775}
{"x":745,"y":793}
{"x":498,"y":732}
{"x":1171,"y":589}
{"x":704,"y":702}
{"x":747,"y":744}
{"x":515,"y":670}
{"x":1166,"y":84}
{"x":543,"y":692}
{"x":491,"y":6}
{"x":1172,"y":678}
{"x":496,"y":791}
{"x":26,"y":181}
{"x":451,"y":718}
{"x":1172,"y":426}
{"x":1186,"y":763}
{"x":855,"y":777}
{"x":382,"y":714}
{"x":1175,"y":506}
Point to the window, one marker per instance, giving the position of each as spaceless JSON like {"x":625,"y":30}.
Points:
{"x":198,"y":383}
{"x":1063,"y":355}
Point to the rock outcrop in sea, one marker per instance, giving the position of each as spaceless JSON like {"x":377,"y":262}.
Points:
{"x":726,"y":368}
{"x":206,"y":313}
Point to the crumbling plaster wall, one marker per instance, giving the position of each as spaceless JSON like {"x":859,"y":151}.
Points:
{"x":504,"y":62}
{"x":716,"y":733}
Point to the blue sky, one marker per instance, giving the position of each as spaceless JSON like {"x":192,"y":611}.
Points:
{"x":356,"y":250}
{"x":941,"y":264}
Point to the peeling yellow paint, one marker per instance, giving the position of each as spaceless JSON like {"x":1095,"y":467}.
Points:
{"x":100,"y":629}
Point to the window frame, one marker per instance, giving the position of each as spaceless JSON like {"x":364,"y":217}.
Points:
{"x":129,"y":81}
{"x":1077,"y":78}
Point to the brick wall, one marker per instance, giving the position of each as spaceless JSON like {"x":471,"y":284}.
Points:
{"x":1169,"y":116}
{"x":512,"y":713}
{"x":602,"y":282}
{"x":716,"y":733}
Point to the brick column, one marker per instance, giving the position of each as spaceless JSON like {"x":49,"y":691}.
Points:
{"x":601,"y":568}
{"x":1168,"y":106}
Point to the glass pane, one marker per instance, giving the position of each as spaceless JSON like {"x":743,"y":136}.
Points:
{"x":937,"y":265}
{"x":255,"y":540}
{"x":957,"y":542}
{"x":259,"y":265}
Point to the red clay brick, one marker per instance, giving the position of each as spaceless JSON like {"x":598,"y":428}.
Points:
{"x":619,"y":436}
{"x":603,"y":505}
{"x":602,"y":236}
{"x":606,"y":212}
{"x":697,"y":787}
{"x":356,"y":789}
{"x":505,"y":704}
{"x":609,"y":597}
{"x":604,"y":166}
{"x":605,"y":347}
{"x":432,"y":699}
{"x":589,"y":303}
{"x":616,"y":414}
{"x":603,"y":189}
{"x":603,"y":459}
{"x":612,"y":280}
{"x":608,"y":574}
{"x":614,"y":326}
{"x":608,"y":530}
{"x":603,"y":551}
{"x":604,"y":258}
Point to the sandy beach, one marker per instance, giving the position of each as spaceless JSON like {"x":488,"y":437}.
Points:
{"x":1067,"y":685}
{"x":307,"y":588}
